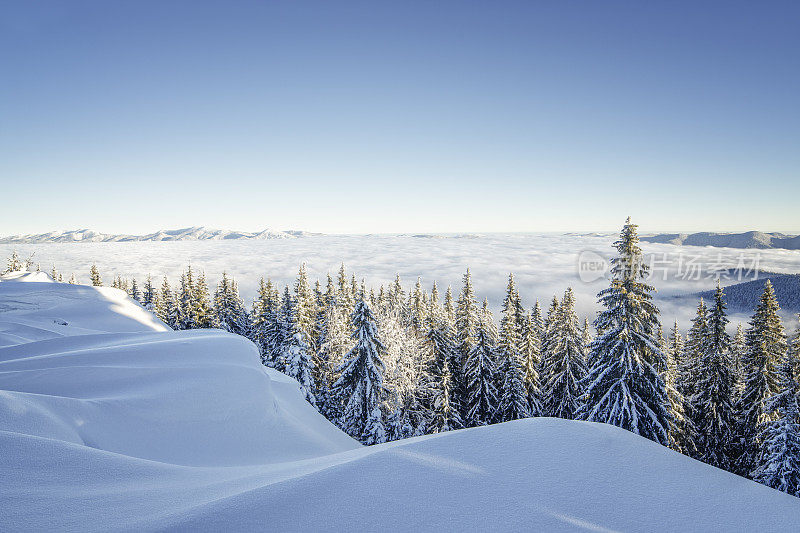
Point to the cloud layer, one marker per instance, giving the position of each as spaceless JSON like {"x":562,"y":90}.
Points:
{"x":543,"y":264}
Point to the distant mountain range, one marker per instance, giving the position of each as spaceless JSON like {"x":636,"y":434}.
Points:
{"x":198,"y":233}
{"x":749,"y":239}
{"x":744,"y":297}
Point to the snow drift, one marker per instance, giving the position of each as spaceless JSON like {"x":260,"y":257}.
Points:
{"x":109,"y":421}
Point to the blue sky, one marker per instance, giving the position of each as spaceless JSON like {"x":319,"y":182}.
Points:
{"x":399,"y":117}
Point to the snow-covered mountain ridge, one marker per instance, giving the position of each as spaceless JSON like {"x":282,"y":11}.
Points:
{"x":111,"y":421}
{"x":197,"y":233}
{"x":749,"y":239}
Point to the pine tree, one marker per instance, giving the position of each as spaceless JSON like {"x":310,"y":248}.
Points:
{"x":335,"y":345}
{"x":548,"y":336}
{"x":305,"y":309}
{"x":150,"y":295}
{"x":397,"y":298}
{"x":17,"y":264}
{"x":185,"y":301}
{"x":586,"y":336}
{"x":689,"y":369}
{"x":565,"y":363}
{"x":778,"y":464}
{"x":766,"y":347}
{"x":466,"y":322}
{"x":537,"y":321}
{"x":265,"y":311}
{"x":284,"y":328}
{"x":134,"y":292}
{"x":72,"y":280}
{"x":681,"y":430}
{"x":360,"y":383}
{"x":94,"y":276}
{"x":449,"y":309}
{"x":54,"y":274}
{"x":480,"y":398}
{"x":299,"y":363}
{"x":513,"y":400}
{"x":167,"y":309}
{"x":229,"y":311}
{"x":417,"y":308}
{"x":738,"y":348}
{"x":439,"y":344}
{"x":623,"y":386}
{"x":322,"y":365}
{"x":202,"y":308}
{"x":532,"y":360}
{"x":714,"y":393}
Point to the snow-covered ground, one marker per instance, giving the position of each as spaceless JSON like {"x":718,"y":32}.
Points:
{"x":543,"y":264}
{"x":109,"y":421}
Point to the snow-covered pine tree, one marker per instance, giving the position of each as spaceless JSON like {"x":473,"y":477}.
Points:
{"x":94,"y":276}
{"x":531,"y":359}
{"x":513,"y":395}
{"x":54,"y":273}
{"x":149,"y":295}
{"x":167,"y":307}
{"x":449,"y":309}
{"x":713,"y":401}
{"x":229,"y":311}
{"x":186,"y":315}
{"x":689,"y":367}
{"x":480,"y":398}
{"x":343,"y":296}
{"x":565,"y":363}
{"x":283,"y":328}
{"x":439,"y":345}
{"x":72,"y":279}
{"x":586,"y":335}
{"x":396,"y":299}
{"x":305,"y":312}
{"x":299,"y":363}
{"x":201,"y":306}
{"x":333,"y":348}
{"x":778,"y":464}
{"x":295,"y":353}
{"x":548,"y":334}
{"x":14,"y":263}
{"x":681,"y":430}
{"x":360,"y":383}
{"x":265,"y":310}
{"x":466,"y":324}
{"x":537,"y":320}
{"x":417,"y":308}
{"x":406,"y":379}
{"x":322,"y":370}
{"x":738,"y":348}
{"x":134,"y":292}
{"x":623,"y":386}
{"x":766,"y":347}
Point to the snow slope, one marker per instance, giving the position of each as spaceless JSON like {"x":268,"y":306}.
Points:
{"x":112,"y":422}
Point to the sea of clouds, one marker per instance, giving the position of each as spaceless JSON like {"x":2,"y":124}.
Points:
{"x":543,"y":264}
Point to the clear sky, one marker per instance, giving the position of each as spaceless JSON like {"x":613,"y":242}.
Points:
{"x":399,"y":116}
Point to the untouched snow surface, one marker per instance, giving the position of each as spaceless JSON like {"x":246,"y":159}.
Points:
{"x":113,"y":422}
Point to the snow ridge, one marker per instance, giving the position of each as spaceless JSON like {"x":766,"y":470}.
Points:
{"x":196,"y":233}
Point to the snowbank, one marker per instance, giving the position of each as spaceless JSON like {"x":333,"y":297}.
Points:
{"x":113,"y":422}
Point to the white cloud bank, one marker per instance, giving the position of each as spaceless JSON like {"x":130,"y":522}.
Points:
{"x":543,"y":264}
